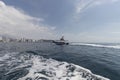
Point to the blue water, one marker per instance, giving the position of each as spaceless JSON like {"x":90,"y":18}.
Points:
{"x":102,"y":60}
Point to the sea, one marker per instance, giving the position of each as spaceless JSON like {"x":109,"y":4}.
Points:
{"x":47,"y":61}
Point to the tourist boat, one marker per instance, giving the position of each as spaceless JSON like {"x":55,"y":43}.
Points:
{"x":61,"y":41}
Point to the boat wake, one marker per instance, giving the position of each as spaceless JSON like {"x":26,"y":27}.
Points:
{"x":98,"y":45}
{"x":28,"y":66}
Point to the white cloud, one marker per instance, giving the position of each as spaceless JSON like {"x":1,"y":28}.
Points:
{"x":116,"y":32}
{"x":15,"y":22}
{"x":99,"y":2}
{"x":82,"y":5}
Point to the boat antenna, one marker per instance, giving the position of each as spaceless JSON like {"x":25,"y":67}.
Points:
{"x":62,"y":38}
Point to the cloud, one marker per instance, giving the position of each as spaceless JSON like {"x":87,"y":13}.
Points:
{"x":100,"y":2}
{"x":116,"y":32}
{"x":82,"y":5}
{"x":15,"y":22}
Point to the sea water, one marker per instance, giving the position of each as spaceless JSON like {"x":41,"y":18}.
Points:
{"x":47,"y":61}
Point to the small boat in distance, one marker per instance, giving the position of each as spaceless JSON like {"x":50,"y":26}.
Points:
{"x":61,"y":41}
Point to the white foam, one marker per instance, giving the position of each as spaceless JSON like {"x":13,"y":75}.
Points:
{"x":47,"y":69}
{"x":98,"y":45}
{"x":6,"y":56}
{"x":50,"y":69}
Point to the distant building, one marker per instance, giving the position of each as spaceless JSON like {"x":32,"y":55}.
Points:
{"x":28,"y":40}
{"x":9,"y":39}
{"x":1,"y":39}
{"x":47,"y":40}
{"x":5,"y":39}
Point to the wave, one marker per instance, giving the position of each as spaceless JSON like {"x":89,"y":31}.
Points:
{"x":35,"y":67}
{"x":49,"y":69}
{"x":98,"y":45}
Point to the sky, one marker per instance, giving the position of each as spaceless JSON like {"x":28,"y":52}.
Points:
{"x":76,"y":20}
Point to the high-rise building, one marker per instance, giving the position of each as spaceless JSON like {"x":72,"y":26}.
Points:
{"x":5,"y":39}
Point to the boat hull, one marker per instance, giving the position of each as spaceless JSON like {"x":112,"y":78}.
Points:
{"x":61,"y":43}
